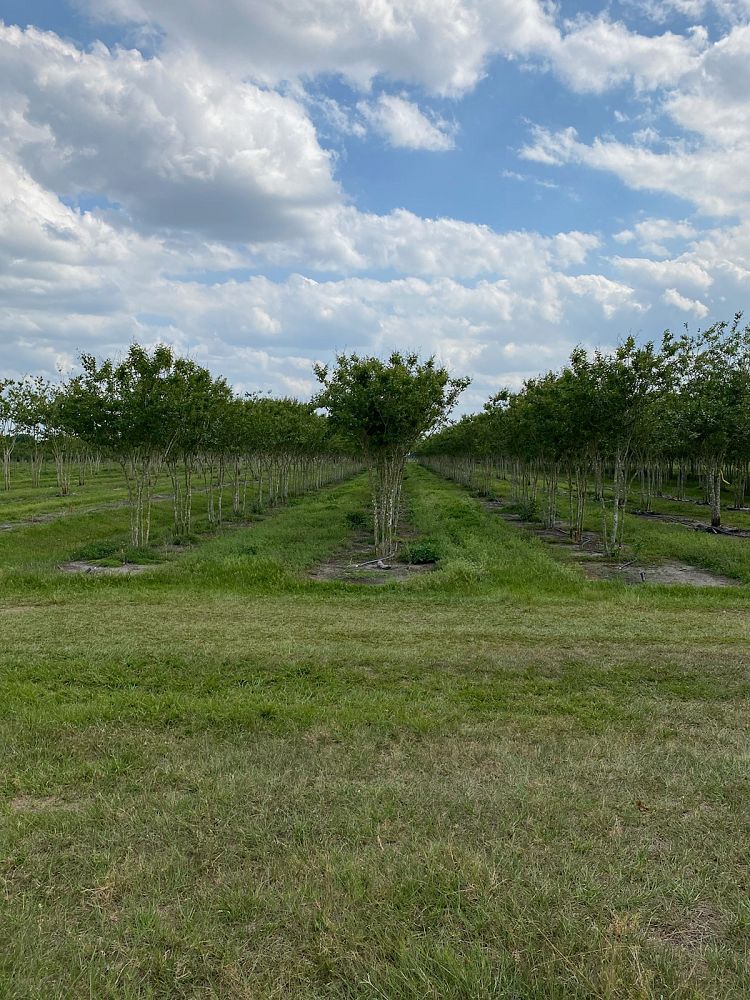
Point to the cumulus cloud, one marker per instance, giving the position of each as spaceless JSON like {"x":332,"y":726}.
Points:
{"x":683,"y":271}
{"x":404,"y":126}
{"x":176,"y":143}
{"x":443,"y":46}
{"x":714,"y":180}
{"x":597,"y":54}
{"x":350,"y":240}
{"x":653,"y":235}
{"x":708,"y":166}
{"x":673,"y":298}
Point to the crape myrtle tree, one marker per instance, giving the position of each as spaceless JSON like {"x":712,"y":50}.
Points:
{"x":34,"y":417}
{"x":11,"y":423}
{"x":383,"y":409}
{"x":629,"y":385}
{"x":126,"y":410}
{"x":711,"y":411}
{"x":61,"y":441}
{"x":198,"y":411}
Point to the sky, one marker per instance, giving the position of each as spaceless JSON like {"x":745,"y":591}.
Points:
{"x":265,"y":183}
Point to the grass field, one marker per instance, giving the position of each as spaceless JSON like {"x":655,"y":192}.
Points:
{"x":222,"y":779}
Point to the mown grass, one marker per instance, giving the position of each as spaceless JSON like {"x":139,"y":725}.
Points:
{"x":653,"y":541}
{"x":224,"y":779}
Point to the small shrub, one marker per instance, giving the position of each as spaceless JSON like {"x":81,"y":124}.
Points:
{"x":425,"y":551}
{"x":357,"y":519}
{"x":526,"y":511}
{"x":100,"y":550}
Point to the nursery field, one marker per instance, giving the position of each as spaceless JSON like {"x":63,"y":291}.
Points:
{"x":223,"y":777}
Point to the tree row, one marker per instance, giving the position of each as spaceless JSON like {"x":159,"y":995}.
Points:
{"x":609,"y":423}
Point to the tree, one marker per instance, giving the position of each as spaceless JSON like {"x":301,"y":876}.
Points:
{"x":383,"y":408}
{"x":33,"y":416}
{"x":714,"y":401}
{"x":11,"y":410}
{"x":126,"y":410}
{"x":197,"y":406}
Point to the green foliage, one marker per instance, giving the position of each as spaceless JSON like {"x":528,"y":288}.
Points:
{"x":426,"y":550}
{"x":384,"y":408}
{"x":357,"y":519}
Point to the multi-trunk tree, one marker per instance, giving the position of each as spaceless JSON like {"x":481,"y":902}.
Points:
{"x":383,"y":409}
{"x":126,"y":409}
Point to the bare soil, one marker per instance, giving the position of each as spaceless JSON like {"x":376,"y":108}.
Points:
{"x":589,"y":555}
{"x":690,"y":522}
{"x":701,"y":926}
{"x":667,"y":573}
{"x":39,"y":803}
{"x":357,"y":564}
{"x":127,"y":569}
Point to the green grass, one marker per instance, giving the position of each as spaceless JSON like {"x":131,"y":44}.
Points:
{"x":222,"y":779}
{"x":651,"y":541}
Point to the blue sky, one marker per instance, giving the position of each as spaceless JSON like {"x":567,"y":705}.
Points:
{"x":265,"y":183}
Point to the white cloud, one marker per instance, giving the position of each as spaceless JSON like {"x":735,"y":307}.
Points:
{"x":732,"y":11}
{"x":596,"y":54}
{"x":684,"y":271}
{"x":673,"y":298}
{"x":713,"y":101}
{"x":652,"y":235}
{"x":612,"y":296}
{"x":179,"y":145}
{"x":349,"y":240}
{"x":710,"y":105}
{"x":443,"y":46}
{"x":716,"y":181}
{"x":404,"y":126}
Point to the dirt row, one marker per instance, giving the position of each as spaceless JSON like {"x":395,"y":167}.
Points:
{"x":589,"y":555}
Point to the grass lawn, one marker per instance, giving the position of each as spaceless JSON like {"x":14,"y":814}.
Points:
{"x":222,"y":779}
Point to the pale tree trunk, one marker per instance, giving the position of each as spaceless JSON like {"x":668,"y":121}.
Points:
{"x":386,"y":476}
{"x":550,"y":486}
{"x":7,"y":456}
{"x":713,"y":492}
{"x":181,"y":475}
{"x":577,"y":485}
{"x":613,"y":538}
{"x":237,"y":504}
{"x":141,"y":472}
{"x":37,"y":465}
{"x":62,"y":468}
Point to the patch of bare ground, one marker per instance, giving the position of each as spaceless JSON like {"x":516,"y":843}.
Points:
{"x":588,"y":547}
{"x":39,"y":803}
{"x":358,"y":565}
{"x":589,"y":556}
{"x":667,"y":573}
{"x":370,"y":574}
{"x":126,"y":569}
{"x":690,"y":522}
{"x":29,"y":521}
{"x":700,"y":927}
